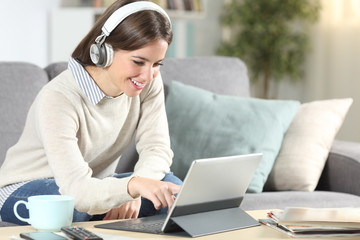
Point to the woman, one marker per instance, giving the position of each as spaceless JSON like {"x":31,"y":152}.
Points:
{"x":83,"y":120}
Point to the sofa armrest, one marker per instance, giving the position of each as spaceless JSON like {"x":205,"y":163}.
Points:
{"x":342,"y":168}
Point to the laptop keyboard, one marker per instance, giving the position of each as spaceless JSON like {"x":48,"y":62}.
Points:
{"x":153,"y":226}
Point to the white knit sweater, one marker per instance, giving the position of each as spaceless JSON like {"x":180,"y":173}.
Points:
{"x":79,"y":143}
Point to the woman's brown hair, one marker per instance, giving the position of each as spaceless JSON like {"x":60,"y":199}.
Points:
{"x":134,"y":32}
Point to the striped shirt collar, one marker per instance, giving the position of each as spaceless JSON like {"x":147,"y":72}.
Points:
{"x":85,"y":81}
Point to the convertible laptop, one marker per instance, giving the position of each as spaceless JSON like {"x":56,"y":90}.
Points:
{"x":208,"y":201}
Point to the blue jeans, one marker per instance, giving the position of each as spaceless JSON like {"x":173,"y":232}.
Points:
{"x":49,"y":187}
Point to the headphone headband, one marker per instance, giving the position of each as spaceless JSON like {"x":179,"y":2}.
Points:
{"x":119,"y":15}
{"x":101,"y":54}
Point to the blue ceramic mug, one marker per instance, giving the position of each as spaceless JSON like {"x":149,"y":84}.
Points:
{"x":48,"y":212}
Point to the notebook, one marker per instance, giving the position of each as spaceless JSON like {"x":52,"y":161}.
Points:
{"x":208,"y":201}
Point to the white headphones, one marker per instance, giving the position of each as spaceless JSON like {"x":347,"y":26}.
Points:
{"x":102,"y":54}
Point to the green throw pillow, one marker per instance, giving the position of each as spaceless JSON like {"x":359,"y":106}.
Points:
{"x":203,"y":124}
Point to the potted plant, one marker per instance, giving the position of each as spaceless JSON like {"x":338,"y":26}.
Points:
{"x":270,"y":36}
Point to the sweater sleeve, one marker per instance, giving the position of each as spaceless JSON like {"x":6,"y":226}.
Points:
{"x":57,"y":126}
{"x":152,"y":136}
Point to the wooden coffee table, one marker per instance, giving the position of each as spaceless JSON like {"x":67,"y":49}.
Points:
{"x":260,"y":232}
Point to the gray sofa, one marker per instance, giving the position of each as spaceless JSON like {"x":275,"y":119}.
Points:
{"x":339,"y":184}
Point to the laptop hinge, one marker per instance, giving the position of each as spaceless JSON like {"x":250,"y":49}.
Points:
{"x":206,"y":206}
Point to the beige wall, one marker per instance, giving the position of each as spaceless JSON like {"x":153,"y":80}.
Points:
{"x":332,"y":69}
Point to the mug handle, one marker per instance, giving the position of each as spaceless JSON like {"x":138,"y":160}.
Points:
{"x":17,"y":215}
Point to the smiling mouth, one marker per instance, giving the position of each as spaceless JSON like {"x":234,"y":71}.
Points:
{"x":138,"y":85}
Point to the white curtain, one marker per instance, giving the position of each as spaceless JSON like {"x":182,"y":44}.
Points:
{"x":333,"y":66}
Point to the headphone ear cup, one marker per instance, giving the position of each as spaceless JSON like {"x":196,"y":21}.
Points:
{"x":109,"y":55}
{"x":97,"y":54}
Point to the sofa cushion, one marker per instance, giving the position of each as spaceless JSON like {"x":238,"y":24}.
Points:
{"x":306,"y":145}
{"x":20,"y":83}
{"x":221,"y":75}
{"x":203,"y":124}
{"x":281,"y":200}
{"x":55,"y":69}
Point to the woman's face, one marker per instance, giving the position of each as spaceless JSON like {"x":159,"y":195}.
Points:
{"x":132,"y":70}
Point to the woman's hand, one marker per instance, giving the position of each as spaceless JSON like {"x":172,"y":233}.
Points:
{"x":161,"y":194}
{"x":128,"y":210}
